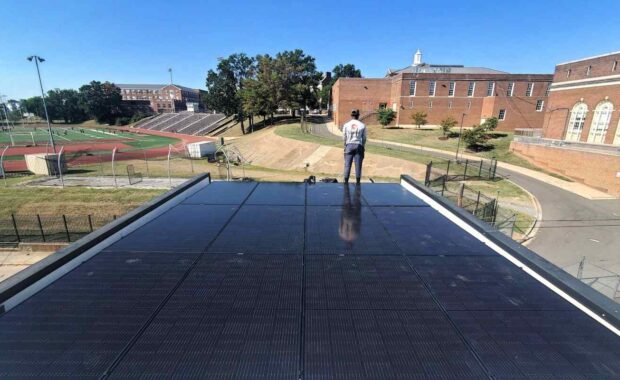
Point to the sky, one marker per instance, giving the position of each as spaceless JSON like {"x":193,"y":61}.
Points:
{"x":135,"y":41}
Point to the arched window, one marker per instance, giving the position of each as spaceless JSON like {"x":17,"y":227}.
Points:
{"x":600,"y":122}
{"x":577,"y":120}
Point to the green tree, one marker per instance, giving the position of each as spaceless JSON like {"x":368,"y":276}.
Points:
{"x":33,"y":105}
{"x":419,"y":118}
{"x":490,"y":124}
{"x":65,"y":105}
{"x":475,"y":138}
{"x":385,"y":116}
{"x":101,"y":101}
{"x":225,"y":85}
{"x":260,"y":95}
{"x":447,"y":124}
{"x":299,"y":77}
{"x":347,"y":70}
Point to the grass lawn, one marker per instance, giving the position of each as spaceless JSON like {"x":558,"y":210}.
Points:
{"x":71,"y":201}
{"x":430,"y":138}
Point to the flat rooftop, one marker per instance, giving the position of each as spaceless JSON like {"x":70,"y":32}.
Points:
{"x":245,"y":280}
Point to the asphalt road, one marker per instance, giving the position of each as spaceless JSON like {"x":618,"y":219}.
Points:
{"x":571,"y":227}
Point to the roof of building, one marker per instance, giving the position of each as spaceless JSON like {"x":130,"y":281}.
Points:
{"x":152,"y":86}
{"x":291,"y":281}
{"x":444,"y":69}
{"x":589,"y":58}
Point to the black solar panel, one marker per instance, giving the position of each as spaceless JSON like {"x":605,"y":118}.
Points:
{"x":289,"y":281}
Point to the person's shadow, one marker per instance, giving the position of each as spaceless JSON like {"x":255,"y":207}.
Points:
{"x":351,"y":216}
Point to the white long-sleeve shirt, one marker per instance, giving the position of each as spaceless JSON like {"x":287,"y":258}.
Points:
{"x":354,"y":132}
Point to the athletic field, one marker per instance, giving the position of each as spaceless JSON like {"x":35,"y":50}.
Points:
{"x":30,"y":136}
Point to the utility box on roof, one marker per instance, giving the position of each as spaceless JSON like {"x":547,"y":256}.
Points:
{"x":201,"y":149}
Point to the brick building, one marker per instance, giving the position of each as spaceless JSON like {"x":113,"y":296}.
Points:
{"x":517,"y":100}
{"x":583,"y":99}
{"x":163,"y":98}
{"x":581,"y":132}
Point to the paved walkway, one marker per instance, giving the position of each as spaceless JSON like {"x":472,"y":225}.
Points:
{"x":576,"y":221}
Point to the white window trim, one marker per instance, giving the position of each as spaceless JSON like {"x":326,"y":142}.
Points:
{"x":529,"y":91}
{"x":492,"y":89}
{"x":511,"y":87}
{"x":430,"y":105}
{"x":434,"y":87}
{"x":473,"y":89}
{"x":452,"y":83}
{"x":500,"y":114}
{"x":415,"y":87}
{"x":450,"y":104}
{"x":542,"y":105}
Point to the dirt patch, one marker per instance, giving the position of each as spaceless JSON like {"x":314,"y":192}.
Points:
{"x":267,"y":149}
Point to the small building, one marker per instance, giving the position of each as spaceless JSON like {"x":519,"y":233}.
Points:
{"x":471,"y":93}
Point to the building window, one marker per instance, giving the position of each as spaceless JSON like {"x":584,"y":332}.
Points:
{"x":614,"y":66}
{"x":431,"y":88}
{"x":471,"y":88}
{"x":502,"y":114}
{"x":491,"y":89}
{"x":588,"y":71}
{"x":539,"y":105}
{"x":568,"y":73}
{"x":430,"y":104}
{"x":450,"y":104}
{"x":600,"y":122}
{"x":412,"y":88}
{"x":548,"y":89}
{"x":469,"y":105}
{"x":452,"y":88}
{"x":576,"y":122}
{"x":530,"y":89}
{"x":511,"y":89}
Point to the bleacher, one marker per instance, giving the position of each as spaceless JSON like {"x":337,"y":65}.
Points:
{"x":183,"y":122}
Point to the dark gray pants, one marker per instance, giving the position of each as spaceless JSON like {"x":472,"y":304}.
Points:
{"x":353,"y":152}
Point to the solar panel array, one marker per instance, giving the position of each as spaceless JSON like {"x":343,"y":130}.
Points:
{"x":287,"y":281}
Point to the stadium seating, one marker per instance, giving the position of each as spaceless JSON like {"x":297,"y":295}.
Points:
{"x":184,"y":122}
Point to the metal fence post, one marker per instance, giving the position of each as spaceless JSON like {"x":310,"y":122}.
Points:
{"x":480,"y":170}
{"x":169,"y":153}
{"x":459,"y":196}
{"x":41,"y":227}
{"x":90,"y":223}
{"x":2,"y":165}
{"x":62,"y":181}
{"x":448,"y":169}
{"x":477,"y":203}
{"x":428,"y":174}
{"x":465,"y":173}
{"x":15,"y":227}
{"x":113,"y":169}
{"x":146,"y":163}
{"x":64,"y":220}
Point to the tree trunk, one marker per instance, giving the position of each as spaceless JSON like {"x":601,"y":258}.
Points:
{"x":242,"y":125}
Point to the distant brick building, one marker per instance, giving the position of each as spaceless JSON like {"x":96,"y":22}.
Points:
{"x":517,"y":100}
{"x":583,"y":99}
{"x":163,"y":98}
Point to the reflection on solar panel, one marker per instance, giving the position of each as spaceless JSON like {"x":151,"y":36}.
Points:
{"x":288,"y":281}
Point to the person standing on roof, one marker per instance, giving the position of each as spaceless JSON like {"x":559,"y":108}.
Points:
{"x":354,"y":137}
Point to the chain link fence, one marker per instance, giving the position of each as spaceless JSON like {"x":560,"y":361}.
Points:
{"x":38,"y":228}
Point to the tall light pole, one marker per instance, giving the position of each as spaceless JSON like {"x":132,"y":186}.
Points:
{"x":174,"y":106}
{"x":38,"y":59}
{"x":458,"y":145}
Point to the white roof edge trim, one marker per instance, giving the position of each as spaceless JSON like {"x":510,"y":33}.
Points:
{"x":587,"y":58}
{"x":465,"y":226}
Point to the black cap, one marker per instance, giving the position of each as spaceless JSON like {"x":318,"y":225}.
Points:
{"x":355,"y":113}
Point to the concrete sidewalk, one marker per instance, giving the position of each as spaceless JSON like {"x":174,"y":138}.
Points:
{"x":573,"y":187}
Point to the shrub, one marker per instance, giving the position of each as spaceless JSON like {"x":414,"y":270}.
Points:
{"x":419,"y":118}
{"x":447,"y":124}
{"x":385,"y":116}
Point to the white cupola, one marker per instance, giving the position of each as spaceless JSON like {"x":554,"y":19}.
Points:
{"x":417,"y":58}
